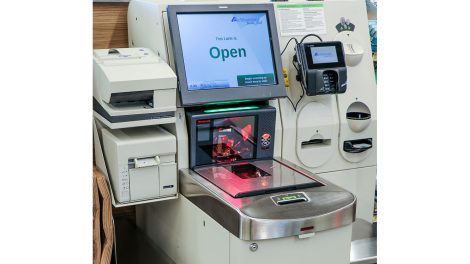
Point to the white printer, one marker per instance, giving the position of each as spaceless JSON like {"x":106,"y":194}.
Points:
{"x":141,"y":162}
{"x":132,"y":87}
{"x":134,"y":92}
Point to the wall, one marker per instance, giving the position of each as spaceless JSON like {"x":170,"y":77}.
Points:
{"x":110,"y":25}
{"x":110,"y":31}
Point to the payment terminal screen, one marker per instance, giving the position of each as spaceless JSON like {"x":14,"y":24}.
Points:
{"x":326,"y":54}
{"x":226,"y":50}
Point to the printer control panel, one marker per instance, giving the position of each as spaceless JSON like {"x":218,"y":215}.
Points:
{"x":124,"y":183}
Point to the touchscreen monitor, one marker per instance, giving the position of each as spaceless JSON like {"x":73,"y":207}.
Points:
{"x":225,"y":53}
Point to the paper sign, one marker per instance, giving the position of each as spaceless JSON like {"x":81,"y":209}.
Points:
{"x":301,"y":19}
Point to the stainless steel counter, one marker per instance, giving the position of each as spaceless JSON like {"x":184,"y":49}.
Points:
{"x":259,"y":217}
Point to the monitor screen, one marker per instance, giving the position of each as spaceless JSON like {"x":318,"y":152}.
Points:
{"x":226,"y":50}
{"x":226,"y":53}
{"x":321,"y":55}
{"x":325,"y":54}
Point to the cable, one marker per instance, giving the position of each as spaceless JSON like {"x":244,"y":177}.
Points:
{"x":302,"y":40}
{"x":293,"y":106}
{"x":303,"y":90}
{"x":310,"y":35}
{"x":287,"y":44}
{"x":288,"y":98}
{"x":296,"y":68}
{"x":293,"y":38}
{"x":301,"y":96}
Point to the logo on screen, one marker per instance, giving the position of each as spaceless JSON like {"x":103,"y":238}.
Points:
{"x":324,"y":54}
{"x":247,"y":20}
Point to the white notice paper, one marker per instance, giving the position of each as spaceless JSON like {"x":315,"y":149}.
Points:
{"x":301,"y":19}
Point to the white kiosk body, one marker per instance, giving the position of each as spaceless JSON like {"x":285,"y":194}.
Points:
{"x":191,"y":235}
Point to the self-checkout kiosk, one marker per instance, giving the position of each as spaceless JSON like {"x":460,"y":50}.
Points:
{"x":273,"y":136}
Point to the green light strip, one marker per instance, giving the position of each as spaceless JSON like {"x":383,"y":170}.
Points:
{"x":230,"y":109}
{"x":228,"y":102}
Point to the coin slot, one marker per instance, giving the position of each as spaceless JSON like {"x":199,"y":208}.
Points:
{"x":357,"y":116}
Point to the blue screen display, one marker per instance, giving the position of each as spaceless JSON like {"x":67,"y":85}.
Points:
{"x":325,"y":54}
{"x":225,"y":50}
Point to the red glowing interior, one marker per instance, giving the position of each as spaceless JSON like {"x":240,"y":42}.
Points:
{"x":233,"y":139}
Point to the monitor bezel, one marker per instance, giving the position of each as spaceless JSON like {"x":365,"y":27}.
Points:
{"x":201,"y":97}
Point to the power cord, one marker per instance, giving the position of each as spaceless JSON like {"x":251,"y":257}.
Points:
{"x":301,"y":84}
{"x":301,"y":97}
{"x":293,"y":38}
{"x":311,"y":35}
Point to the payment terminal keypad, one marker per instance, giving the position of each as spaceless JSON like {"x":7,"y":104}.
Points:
{"x":330,"y":81}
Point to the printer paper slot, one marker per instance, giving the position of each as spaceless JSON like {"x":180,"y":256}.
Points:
{"x":132,"y":98}
{"x":316,"y":143}
{"x":143,"y":162}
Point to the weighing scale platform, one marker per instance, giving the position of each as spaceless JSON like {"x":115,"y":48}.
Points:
{"x":245,"y":179}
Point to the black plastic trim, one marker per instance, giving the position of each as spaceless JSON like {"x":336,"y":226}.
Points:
{"x":128,"y":118}
{"x":348,"y":146}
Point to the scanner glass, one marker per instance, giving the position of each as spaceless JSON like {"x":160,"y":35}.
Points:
{"x":244,"y":179}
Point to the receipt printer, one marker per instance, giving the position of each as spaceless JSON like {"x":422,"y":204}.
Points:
{"x":141,"y":162}
{"x":322,"y":67}
{"x":132,"y":85}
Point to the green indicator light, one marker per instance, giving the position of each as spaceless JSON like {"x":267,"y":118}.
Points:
{"x":228,"y":102}
{"x":289,"y":197}
{"x":230,"y":109}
